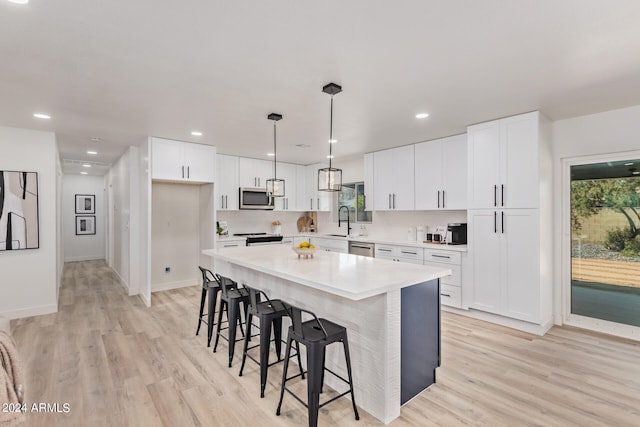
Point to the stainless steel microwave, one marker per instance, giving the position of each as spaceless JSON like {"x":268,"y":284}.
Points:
{"x":255,"y":198}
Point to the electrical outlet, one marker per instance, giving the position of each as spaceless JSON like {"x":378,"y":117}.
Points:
{"x":167,"y":269}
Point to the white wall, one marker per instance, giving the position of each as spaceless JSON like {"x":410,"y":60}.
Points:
{"x":596,"y":134}
{"x":90,"y":246}
{"x":28,"y":278}
{"x":175,"y":235}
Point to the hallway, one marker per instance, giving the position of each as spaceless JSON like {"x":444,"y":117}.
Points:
{"x":118,"y":363}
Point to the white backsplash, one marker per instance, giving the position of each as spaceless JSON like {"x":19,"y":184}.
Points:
{"x":391,"y":225}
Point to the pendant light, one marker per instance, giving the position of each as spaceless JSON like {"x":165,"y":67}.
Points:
{"x":275,"y":186}
{"x":330,"y":179}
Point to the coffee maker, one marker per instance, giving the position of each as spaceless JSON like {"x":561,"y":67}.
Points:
{"x":458,"y":233}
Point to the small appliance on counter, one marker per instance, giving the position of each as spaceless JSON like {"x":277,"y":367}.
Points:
{"x":458,"y":233}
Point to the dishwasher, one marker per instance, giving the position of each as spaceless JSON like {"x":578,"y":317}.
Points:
{"x":362,"y":248}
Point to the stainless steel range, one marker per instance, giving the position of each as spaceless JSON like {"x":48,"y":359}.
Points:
{"x":254,"y":239}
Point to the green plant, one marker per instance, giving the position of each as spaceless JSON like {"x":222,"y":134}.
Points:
{"x":631,"y":248}
{"x":617,"y":237}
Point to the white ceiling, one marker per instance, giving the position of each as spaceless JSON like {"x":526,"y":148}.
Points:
{"x":123,"y":70}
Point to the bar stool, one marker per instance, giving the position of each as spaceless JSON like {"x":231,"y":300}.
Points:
{"x":315,"y":334}
{"x":210,"y":285}
{"x":269,"y":312}
{"x":230,"y":298}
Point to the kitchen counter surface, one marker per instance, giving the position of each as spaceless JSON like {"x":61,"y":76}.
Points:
{"x":349,"y":276}
{"x":386,"y":240}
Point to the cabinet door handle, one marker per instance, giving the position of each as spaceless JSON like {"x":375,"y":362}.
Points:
{"x":438,"y":199}
{"x":226,"y":202}
{"x":495,"y":221}
{"x":502,"y":222}
{"x":495,"y":195}
{"x":182,"y":172}
{"x":394,"y":200}
{"x":389,"y":200}
{"x":258,"y":181}
{"x":440,"y":256}
{"x":409,"y":252}
{"x":318,"y":205}
{"x":502,"y":194}
{"x":384,"y":250}
{"x":311,"y":204}
{"x":445,"y":295}
{"x":188,"y":174}
{"x":442,"y":199}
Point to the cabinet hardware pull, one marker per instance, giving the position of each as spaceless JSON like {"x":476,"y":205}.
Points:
{"x":384,"y":250}
{"x":394,"y":200}
{"x":183,"y":172}
{"x":188,"y":174}
{"x":495,"y":221}
{"x":445,"y":295}
{"x":438,"y":199}
{"x":495,"y":195}
{"x":226,"y":202}
{"x":389,"y":200}
{"x":318,"y":205}
{"x":409,"y":252}
{"x":502,"y":194}
{"x":442,"y":199}
{"x":503,"y":222}
{"x":440,"y":256}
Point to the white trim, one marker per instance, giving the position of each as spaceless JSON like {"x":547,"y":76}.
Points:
{"x":598,"y":325}
{"x":30,"y":311}
{"x":146,"y":301}
{"x":173,"y":285}
{"x":532,"y":328}
{"x":122,"y":282}
{"x":84,"y":258}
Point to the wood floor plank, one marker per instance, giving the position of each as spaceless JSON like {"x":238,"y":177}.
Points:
{"x":119,"y":363}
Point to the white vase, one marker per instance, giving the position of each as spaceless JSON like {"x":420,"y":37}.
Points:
{"x":277,"y":230}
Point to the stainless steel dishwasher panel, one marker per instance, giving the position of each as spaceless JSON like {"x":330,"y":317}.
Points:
{"x":362,"y":248}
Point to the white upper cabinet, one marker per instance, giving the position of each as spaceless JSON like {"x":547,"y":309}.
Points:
{"x":368,"y":181}
{"x":254,"y":173}
{"x":441,"y":174}
{"x":503,"y":160}
{"x":316,"y":200}
{"x":394,"y":179}
{"x":182,"y":161}
{"x":289,"y":173}
{"x":227,"y":182}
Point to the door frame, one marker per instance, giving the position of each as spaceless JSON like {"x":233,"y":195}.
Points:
{"x":598,"y":325}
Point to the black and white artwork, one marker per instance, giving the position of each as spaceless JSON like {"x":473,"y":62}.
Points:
{"x":85,"y":204}
{"x":85,"y":225}
{"x":19,"y":227}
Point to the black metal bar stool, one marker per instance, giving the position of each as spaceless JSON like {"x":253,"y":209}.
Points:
{"x":210,"y":286}
{"x":230,"y":298}
{"x":315,"y":334}
{"x":270,"y":313}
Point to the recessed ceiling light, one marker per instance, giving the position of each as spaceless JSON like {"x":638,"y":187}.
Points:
{"x":86,"y":165}
{"x":629,"y":164}
{"x":84,"y":173}
{"x":422,"y":115}
{"x":95,"y":139}
{"x":196,"y":133}
{"x":333,"y":141}
{"x":19,"y":1}
{"x":41,"y":116}
{"x":92,"y":152}
{"x":270,"y":154}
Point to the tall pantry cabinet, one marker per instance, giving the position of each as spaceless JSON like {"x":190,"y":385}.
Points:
{"x":509,"y":217}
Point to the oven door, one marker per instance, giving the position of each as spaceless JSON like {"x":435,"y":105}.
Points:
{"x":255,"y":198}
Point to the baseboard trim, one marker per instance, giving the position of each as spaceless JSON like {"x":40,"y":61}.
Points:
{"x":172,"y":285}
{"x":31,"y":311}
{"x":520,"y":325}
{"x":124,"y":284}
{"x":146,"y":301}
{"x":83,"y":258}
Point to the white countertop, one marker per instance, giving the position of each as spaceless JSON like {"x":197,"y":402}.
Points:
{"x":349,"y":276}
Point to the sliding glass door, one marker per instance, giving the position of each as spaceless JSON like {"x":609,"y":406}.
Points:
{"x":605,"y":241}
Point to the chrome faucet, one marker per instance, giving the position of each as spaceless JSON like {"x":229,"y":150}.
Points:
{"x":348,"y":219}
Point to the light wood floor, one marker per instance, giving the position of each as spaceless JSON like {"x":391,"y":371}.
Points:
{"x":118,"y":363}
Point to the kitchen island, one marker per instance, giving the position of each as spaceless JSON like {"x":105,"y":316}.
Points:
{"x":391,"y":312}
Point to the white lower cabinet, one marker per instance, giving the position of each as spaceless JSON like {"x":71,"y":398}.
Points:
{"x":400,"y":253}
{"x":450,"y":286}
{"x":504,"y":249}
{"x":330,"y":245}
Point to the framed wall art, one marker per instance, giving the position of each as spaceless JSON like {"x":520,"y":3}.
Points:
{"x":85,"y":225}
{"x":85,"y":204}
{"x":19,"y":222}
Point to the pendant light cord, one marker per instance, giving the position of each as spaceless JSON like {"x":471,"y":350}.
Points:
{"x":275,"y":157}
{"x":331,"y":133}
